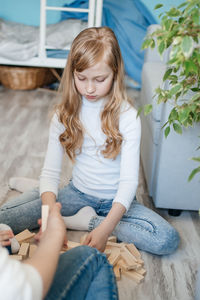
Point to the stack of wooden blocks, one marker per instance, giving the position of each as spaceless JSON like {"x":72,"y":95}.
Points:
{"x":27,"y":246}
{"x":125,"y":258}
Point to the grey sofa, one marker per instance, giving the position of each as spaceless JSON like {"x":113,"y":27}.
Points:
{"x":166,"y":161}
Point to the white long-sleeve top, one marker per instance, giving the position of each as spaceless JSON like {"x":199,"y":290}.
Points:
{"x":93,"y":174}
{"x":18,"y":281}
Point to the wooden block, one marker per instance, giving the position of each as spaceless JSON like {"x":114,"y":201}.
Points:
{"x":23,"y":250}
{"x":71,"y":244}
{"x":141,"y":271}
{"x":107,"y":252}
{"x":133,"y":275}
{"x":117,"y":272}
{"x":82,"y":239}
{"x":115,"y":245}
{"x":133,"y":250}
{"x":122,"y":264}
{"x":130,"y":260}
{"x":129,"y":254}
{"x":45,"y":214}
{"x":32,"y":249}
{"x":112,"y":239}
{"x":114,"y":256}
{"x":64,"y":249}
{"x":24,"y":235}
{"x":17,"y":257}
{"x":140,"y":261}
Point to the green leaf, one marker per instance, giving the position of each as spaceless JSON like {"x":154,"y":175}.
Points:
{"x":195,"y":16}
{"x":158,"y":6}
{"x":183,"y":114}
{"x":139,"y":111}
{"x":177,"y":128}
{"x":167,"y":131}
{"x":175,"y":89}
{"x":173,"y":115}
{"x":187,"y":46}
{"x":161,"y":47}
{"x":147,"y":109}
{"x":190,"y":67}
{"x":168,"y":23}
{"x":147,"y":42}
{"x":182,"y":4}
{"x":167,"y":73}
{"x":193,"y":173}
{"x":195,"y":97}
{"x":173,"y":12}
{"x":196,"y":159}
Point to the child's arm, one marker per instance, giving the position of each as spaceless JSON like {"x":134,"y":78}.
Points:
{"x":98,"y":237}
{"x":50,"y":175}
{"x":128,"y":181}
{"x":48,"y":198}
{"x":49,"y":248}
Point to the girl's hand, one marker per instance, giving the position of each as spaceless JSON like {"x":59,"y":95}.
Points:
{"x":5,"y":236}
{"x":97,"y":238}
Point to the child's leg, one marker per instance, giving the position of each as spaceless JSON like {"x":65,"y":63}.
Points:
{"x":72,"y":200}
{"x":83,"y":273}
{"x":23,"y":184}
{"x":145,"y":228}
{"x":22,"y":212}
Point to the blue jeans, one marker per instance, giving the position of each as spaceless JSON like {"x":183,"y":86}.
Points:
{"x":83,"y":273}
{"x":139,"y":225}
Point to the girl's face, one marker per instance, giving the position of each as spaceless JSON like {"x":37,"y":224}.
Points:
{"x":95,"y":82}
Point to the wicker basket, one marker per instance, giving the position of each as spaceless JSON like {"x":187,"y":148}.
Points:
{"x":25,"y":78}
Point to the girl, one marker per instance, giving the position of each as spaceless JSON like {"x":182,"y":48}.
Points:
{"x":99,"y":130}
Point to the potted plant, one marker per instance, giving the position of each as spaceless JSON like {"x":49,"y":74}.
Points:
{"x":180,"y":31}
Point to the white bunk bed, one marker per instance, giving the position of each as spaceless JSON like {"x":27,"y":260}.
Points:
{"x":94,"y":12}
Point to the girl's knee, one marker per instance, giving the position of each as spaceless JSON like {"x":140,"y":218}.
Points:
{"x":168,"y":242}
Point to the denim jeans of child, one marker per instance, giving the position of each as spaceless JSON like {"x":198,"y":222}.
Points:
{"x":139,"y":225}
{"x":83,"y":273}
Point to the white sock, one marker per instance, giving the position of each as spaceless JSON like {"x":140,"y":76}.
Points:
{"x":22,"y":184}
{"x":81,"y":220}
{"x":14,"y":243}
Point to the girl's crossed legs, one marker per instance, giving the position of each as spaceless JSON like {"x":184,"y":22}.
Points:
{"x":139,"y":225}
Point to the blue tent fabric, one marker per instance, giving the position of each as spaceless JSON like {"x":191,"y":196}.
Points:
{"x":129,"y":20}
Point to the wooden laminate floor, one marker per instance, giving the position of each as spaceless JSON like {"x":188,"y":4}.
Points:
{"x":24,"y":126}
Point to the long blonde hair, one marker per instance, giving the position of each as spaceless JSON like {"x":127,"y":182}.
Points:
{"x":88,"y":48}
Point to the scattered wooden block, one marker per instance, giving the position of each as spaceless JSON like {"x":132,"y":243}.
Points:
{"x":117,"y":272}
{"x":71,"y":244}
{"x":114,"y":256}
{"x":141,"y":271}
{"x":122,"y":264}
{"x":112,"y":239}
{"x":133,"y":250}
{"x":115,"y":245}
{"x":23,"y":250}
{"x":24,"y":235}
{"x":107,"y":252}
{"x":16,"y":256}
{"x":82,"y":239}
{"x":125,"y":259}
{"x":32,"y":249}
{"x":133,"y":275}
{"x":129,"y":258}
{"x":45,"y":214}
